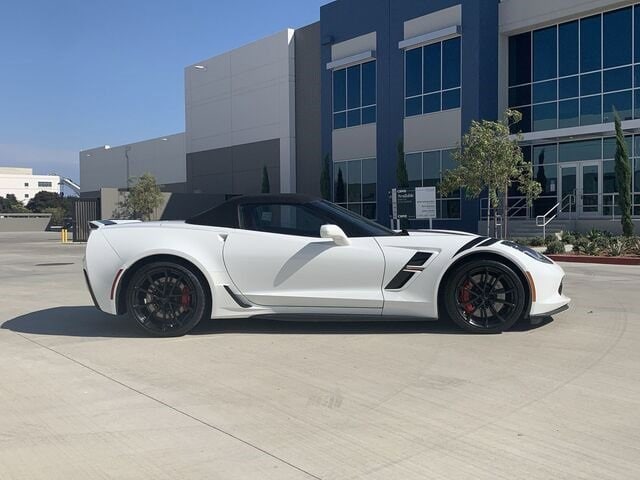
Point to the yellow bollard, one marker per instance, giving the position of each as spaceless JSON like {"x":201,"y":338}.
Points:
{"x":64,"y":235}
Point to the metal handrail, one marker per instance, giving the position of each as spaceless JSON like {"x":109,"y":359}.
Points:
{"x":513,"y":210}
{"x":557,"y":209}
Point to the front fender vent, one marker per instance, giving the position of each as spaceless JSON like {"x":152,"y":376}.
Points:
{"x":413,"y":266}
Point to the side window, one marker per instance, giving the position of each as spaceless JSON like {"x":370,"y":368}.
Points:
{"x":281,"y":218}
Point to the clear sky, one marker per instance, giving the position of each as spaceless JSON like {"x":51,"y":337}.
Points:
{"x":77,"y":74}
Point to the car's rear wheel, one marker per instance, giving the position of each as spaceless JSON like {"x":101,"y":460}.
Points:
{"x":166,"y":299}
{"x":485,"y":296}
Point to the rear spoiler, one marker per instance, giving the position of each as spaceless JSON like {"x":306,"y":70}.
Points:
{"x":95,"y":224}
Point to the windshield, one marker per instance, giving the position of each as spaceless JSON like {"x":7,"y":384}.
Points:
{"x":354,"y":225}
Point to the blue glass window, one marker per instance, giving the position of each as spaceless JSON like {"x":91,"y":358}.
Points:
{"x":568,"y":114}
{"x":355,"y":185}
{"x":339,"y":90}
{"x":413,"y":72}
{"x":432,"y":68}
{"x":545,"y":116}
{"x":545,"y":91}
{"x":568,"y":87}
{"x":520,"y":59}
{"x":520,"y":96}
{"x":620,"y":102}
{"x":451,"y":99}
{"x":616,"y":38}
{"x":432,"y":77}
{"x":545,"y":53}
{"x":432,"y":103}
{"x":354,"y":95}
{"x":636,"y":13}
{"x":590,"y":43}
{"x":590,"y":110}
{"x":451,"y":63}
{"x":590,"y":84}
{"x":568,"y":49}
{"x":368,"y":84}
{"x":616,"y":79}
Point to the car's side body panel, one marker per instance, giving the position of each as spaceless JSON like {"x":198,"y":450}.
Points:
{"x":292,"y":271}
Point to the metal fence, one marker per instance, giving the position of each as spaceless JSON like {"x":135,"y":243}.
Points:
{"x":85,"y":210}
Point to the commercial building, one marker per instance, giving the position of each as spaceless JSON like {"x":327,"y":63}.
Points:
{"x":373,"y":73}
{"x":22,"y":183}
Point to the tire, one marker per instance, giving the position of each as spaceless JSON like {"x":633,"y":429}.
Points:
{"x":167,"y":299}
{"x":485,"y":296}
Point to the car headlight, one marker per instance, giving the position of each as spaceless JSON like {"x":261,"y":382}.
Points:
{"x":530,"y":252}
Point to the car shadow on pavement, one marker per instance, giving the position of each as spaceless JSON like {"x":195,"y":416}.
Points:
{"x":86,"y":321}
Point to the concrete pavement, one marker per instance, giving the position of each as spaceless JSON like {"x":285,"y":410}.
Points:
{"x":84,"y":395}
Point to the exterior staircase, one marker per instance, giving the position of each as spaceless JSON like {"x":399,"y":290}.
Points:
{"x":526,"y":228}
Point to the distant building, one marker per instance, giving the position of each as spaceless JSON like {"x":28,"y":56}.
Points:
{"x":22,"y":183}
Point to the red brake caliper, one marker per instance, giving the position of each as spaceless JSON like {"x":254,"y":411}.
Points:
{"x":465,"y":298}
{"x":185,"y":298}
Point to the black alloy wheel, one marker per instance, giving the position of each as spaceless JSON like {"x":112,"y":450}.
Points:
{"x":166,"y":299}
{"x":485,"y":296}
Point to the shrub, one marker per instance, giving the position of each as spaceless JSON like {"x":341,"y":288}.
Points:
{"x":595,"y":234}
{"x":555,"y":248}
{"x":615,"y":247}
{"x":537,"y":242}
{"x":632,"y":245}
{"x":568,"y":238}
{"x":580,"y":245}
{"x":550,"y":238}
{"x":595,"y":247}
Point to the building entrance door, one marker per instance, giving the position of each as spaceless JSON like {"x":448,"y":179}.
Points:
{"x":584,"y":181}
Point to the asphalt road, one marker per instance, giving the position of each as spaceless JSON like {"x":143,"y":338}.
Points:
{"x":84,"y":395}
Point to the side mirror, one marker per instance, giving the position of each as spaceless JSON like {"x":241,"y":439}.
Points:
{"x":336,"y":234}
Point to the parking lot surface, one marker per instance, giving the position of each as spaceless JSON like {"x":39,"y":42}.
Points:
{"x":84,"y":395}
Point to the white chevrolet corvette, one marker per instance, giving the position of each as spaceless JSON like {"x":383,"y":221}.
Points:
{"x":296,"y":255}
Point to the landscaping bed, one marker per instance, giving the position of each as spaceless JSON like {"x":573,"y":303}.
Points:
{"x":596,"y":246}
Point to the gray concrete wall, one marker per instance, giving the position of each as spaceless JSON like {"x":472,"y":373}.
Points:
{"x":174,"y":206}
{"x":234,"y":170}
{"x":24,"y":222}
{"x":308,"y":106}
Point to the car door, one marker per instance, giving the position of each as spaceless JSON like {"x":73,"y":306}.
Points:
{"x":279,"y":259}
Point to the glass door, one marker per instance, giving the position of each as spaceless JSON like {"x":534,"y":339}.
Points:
{"x":590,"y":191}
{"x":584,"y":181}
{"x":568,"y":185}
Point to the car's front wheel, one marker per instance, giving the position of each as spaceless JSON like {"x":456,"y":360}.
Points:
{"x":166,"y":299}
{"x":485,"y":296}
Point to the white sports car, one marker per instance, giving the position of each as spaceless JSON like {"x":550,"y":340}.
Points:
{"x":295,"y":255}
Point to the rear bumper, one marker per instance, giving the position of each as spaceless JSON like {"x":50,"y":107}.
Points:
{"x":93,"y":297}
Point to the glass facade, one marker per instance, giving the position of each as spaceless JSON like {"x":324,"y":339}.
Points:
{"x":584,"y":168}
{"x":432,"y":77}
{"x":425,"y":169}
{"x":578,"y":72}
{"x":354,"y":185}
{"x":354,"y":95}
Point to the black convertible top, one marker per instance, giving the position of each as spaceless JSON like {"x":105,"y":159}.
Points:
{"x":226,"y":214}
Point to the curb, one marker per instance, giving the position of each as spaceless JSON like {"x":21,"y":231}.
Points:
{"x":599,"y":260}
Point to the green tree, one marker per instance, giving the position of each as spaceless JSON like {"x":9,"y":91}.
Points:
{"x":490,"y":160}
{"x":325,"y":179}
{"x":44,"y":200}
{"x":57,"y":215}
{"x":402,"y":177}
{"x":623,"y":179}
{"x":10,"y":204}
{"x":142,"y":200}
{"x":266,"y":187}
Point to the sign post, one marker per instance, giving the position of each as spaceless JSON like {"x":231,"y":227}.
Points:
{"x":426,"y":205}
